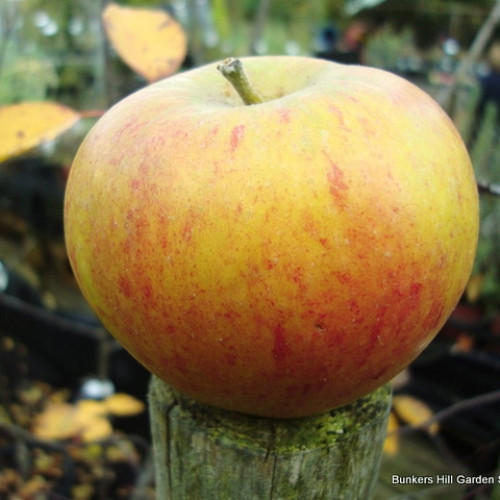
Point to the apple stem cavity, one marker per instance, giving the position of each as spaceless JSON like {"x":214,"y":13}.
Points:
{"x":232,"y":70}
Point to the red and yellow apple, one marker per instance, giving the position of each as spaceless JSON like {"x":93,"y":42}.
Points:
{"x":282,"y":258}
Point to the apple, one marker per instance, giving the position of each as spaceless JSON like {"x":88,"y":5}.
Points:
{"x":280,"y":258}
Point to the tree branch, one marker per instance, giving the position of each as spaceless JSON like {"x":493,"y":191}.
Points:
{"x":466,"y":404}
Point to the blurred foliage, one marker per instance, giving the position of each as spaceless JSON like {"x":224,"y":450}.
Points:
{"x":387,"y":48}
{"x":61,"y":46}
{"x":485,"y":155}
{"x":17,"y":88}
{"x":48,"y":49}
{"x":482,"y":138}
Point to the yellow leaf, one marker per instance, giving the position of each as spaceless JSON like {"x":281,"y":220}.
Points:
{"x":150,"y":41}
{"x":391,"y":443}
{"x":91,"y":407}
{"x":96,"y":428}
{"x":61,"y":421}
{"x":414,"y":412}
{"x":29,"y":124}
{"x":57,"y":421}
{"x":123,"y":405}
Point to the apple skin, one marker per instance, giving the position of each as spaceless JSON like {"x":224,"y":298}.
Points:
{"x":278,"y":259}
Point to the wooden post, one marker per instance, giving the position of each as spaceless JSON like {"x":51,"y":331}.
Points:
{"x":206,"y":453}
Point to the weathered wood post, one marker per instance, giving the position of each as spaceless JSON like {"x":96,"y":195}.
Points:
{"x":206,"y":453}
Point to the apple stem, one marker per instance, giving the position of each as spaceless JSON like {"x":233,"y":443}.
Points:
{"x":232,"y":70}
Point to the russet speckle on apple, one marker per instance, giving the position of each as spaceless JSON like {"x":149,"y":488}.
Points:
{"x":281,"y":257}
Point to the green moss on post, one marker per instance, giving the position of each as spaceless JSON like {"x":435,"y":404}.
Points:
{"x":207,"y":453}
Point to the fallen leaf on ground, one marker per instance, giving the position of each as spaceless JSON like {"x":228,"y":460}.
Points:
{"x":123,"y":405}
{"x":60,"y":421}
{"x":57,"y":421}
{"x":414,"y":412}
{"x":391,"y":443}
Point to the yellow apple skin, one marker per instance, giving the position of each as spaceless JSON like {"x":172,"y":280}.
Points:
{"x":278,"y":259}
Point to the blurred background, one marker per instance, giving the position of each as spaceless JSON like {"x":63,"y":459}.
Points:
{"x":54,"y":354}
